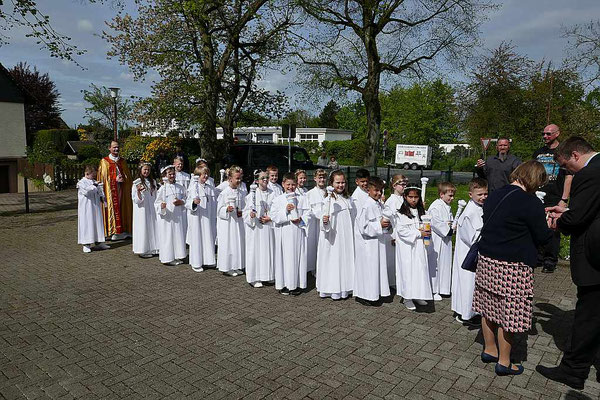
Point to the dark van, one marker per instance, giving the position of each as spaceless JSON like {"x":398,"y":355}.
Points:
{"x":255,"y":156}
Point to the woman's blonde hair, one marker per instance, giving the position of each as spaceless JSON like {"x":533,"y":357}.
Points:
{"x":531,"y":174}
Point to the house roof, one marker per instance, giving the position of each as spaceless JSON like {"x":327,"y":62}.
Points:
{"x":10,"y":92}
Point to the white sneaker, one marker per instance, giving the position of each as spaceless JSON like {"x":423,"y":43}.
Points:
{"x":102,"y":246}
{"x":175,"y":262}
{"x":239,"y":271}
{"x":87,"y":249}
{"x":199,"y":269}
{"x":409,"y":304}
{"x":420,"y":302}
{"x":233,"y":272}
{"x":257,"y":284}
{"x":437,"y":297}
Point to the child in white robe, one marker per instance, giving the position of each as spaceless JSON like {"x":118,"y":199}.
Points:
{"x":170,"y":207}
{"x":143,"y":193}
{"x":301,"y":179}
{"x":90,"y":223}
{"x":392,"y":205}
{"x":211,"y":197}
{"x":181,"y":177}
{"x":440,"y":254}
{"x":371,"y":277}
{"x":230,"y":225}
{"x":413,"y":283}
{"x":260,"y":238}
{"x":287,"y":212}
{"x":335,"y":255}
{"x":468,"y":228}
{"x":275,"y":187}
{"x":360,"y":193}
{"x":315,"y":198}
{"x":200,"y":234}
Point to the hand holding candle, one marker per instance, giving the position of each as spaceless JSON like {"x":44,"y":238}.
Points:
{"x":461,"y":206}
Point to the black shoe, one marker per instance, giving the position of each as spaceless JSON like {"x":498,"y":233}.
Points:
{"x":558,"y":375}
{"x":548,"y":270}
{"x":284,"y":292}
{"x":501,"y":370}
{"x":365,"y":302}
{"x":488,"y":358}
{"x":296,"y":292}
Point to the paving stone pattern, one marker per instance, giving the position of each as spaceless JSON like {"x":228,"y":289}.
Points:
{"x":112,"y":325}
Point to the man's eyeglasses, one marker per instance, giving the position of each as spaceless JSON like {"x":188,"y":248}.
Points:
{"x":547,"y":133}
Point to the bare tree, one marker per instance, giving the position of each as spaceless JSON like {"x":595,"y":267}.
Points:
{"x":358,"y":44}
{"x":584,"y":49}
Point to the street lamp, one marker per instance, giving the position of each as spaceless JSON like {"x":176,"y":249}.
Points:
{"x":114,"y":92}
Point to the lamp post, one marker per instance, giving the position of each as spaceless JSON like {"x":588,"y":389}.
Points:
{"x":114,"y":92}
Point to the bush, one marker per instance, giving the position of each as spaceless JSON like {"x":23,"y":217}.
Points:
{"x":347,"y":151}
{"x":58,"y":137}
{"x":91,"y":161}
{"x":44,"y":152}
{"x":133,"y":147}
{"x":157,"y":145}
{"x":89,"y":151}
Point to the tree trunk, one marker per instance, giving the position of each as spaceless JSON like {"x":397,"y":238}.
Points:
{"x":208,"y":137}
{"x":370,"y":97}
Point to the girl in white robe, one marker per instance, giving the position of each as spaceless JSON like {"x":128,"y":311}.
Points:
{"x":392,"y":205}
{"x":413,"y":283}
{"x":440,"y":253}
{"x":230,"y":225}
{"x":143,"y":194}
{"x":315,"y":197}
{"x":170,"y":207}
{"x":90,"y":223}
{"x":287,"y":212}
{"x":200,"y":234}
{"x":260,"y":238}
{"x":468,"y":228}
{"x":335,"y":255}
{"x":371,"y":277}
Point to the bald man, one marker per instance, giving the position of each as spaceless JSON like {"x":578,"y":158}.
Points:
{"x":557,"y":191}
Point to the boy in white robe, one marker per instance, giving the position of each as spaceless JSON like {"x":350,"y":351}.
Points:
{"x":260,"y":238}
{"x":181,"y":177}
{"x":440,"y":253}
{"x":275,"y":187}
{"x":287,"y":212}
{"x":170,"y":207}
{"x":335,"y":255}
{"x":468,"y":228}
{"x":230,"y":225}
{"x":371,"y":277}
{"x":90,"y":223}
{"x":360,"y":193}
{"x":200,"y":234}
{"x":211,"y":197}
{"x":315,"y":198}
{"x":145,"y":241}
{"x":392,"y":205}
{"x":413,"y":283}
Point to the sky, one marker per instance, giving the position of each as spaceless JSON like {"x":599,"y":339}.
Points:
{"x":533,"y":26}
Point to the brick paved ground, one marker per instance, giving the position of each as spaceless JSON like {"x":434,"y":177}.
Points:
{"x":111,"y":325}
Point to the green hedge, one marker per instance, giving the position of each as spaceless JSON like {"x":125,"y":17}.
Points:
{"x":353,"y":151}
{"x":89,"y":151}
{"x":58,"y":137}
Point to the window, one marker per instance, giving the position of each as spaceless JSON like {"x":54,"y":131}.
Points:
{"x":309,"y":137}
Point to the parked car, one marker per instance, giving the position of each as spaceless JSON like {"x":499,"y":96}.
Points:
{"x":255,"y":156}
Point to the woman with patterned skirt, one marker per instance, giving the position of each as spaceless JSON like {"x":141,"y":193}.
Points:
{"x":507,"y":253}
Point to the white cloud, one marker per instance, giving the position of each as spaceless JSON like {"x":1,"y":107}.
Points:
{"x":85,"y":25}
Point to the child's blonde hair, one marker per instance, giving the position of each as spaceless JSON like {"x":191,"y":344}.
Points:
{"x":202,"y":170}
{"x":90,"y":168}
{"x":396,"y":179}
{"x":234,"y":169}
{"x":444,"y":187}
{"x":320,"y":172}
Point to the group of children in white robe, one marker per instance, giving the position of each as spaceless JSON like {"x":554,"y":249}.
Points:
{"x":355,"y":245}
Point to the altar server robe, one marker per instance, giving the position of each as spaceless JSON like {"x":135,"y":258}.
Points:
{"x":440,"y":253}
{"x":260,"y":239}
{"x":468,"y":228}
{"x":290,"y":244}
{"x":412,"y":269}
{"x":183,"y":178}
{"x":90,"y":223}
{"x":371,"y":277}
{"x":335,"y":255}
{"x":359,"y":196}
{"x":171,"y":222}
{"x":230,"y":231}
{"x":393,"y":203}
{"x":315,"y":198}
{"x":276,"y":188}
{"x":200,"y":235}
{"x":145,"y":231}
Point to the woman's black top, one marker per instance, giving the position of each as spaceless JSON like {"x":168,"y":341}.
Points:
{"x":516,"y":229}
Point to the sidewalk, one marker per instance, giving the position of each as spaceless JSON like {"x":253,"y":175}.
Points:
{"x":14,"y":203}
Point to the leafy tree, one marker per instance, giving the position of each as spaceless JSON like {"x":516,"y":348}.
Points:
{"x":42,"y":110}
{"x":101,"y":108}
{"x":355,"y":45}
{"x":327,"y":118}
{"x":301,"y":118}
{"x":208,"y":54}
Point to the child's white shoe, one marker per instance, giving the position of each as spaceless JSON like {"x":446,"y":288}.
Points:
{"x":409,"y":304}
{"x":198,"y":269}
{"x":437,"y":297}
{"x":233,"y":272}
{"x":257,"y":284}
{"x":420,"y":302}
{"x":87,"y":249}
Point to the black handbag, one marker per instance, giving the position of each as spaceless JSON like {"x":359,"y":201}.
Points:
{"x":470,"y":261}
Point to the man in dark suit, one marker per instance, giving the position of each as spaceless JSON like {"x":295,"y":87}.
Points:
{"x":582,"y":221}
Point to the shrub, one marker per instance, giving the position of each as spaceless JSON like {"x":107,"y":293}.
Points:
{"x":91,"y":161}
{"x":353,"y":151}
{"x":89,"y":151}
{"x":58,"y":137}
{"x":133,"y":147}
{"x":157,"y":145}
{"x":44,"y":152}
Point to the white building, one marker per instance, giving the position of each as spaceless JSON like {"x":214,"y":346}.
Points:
{"x":267,"y":134}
